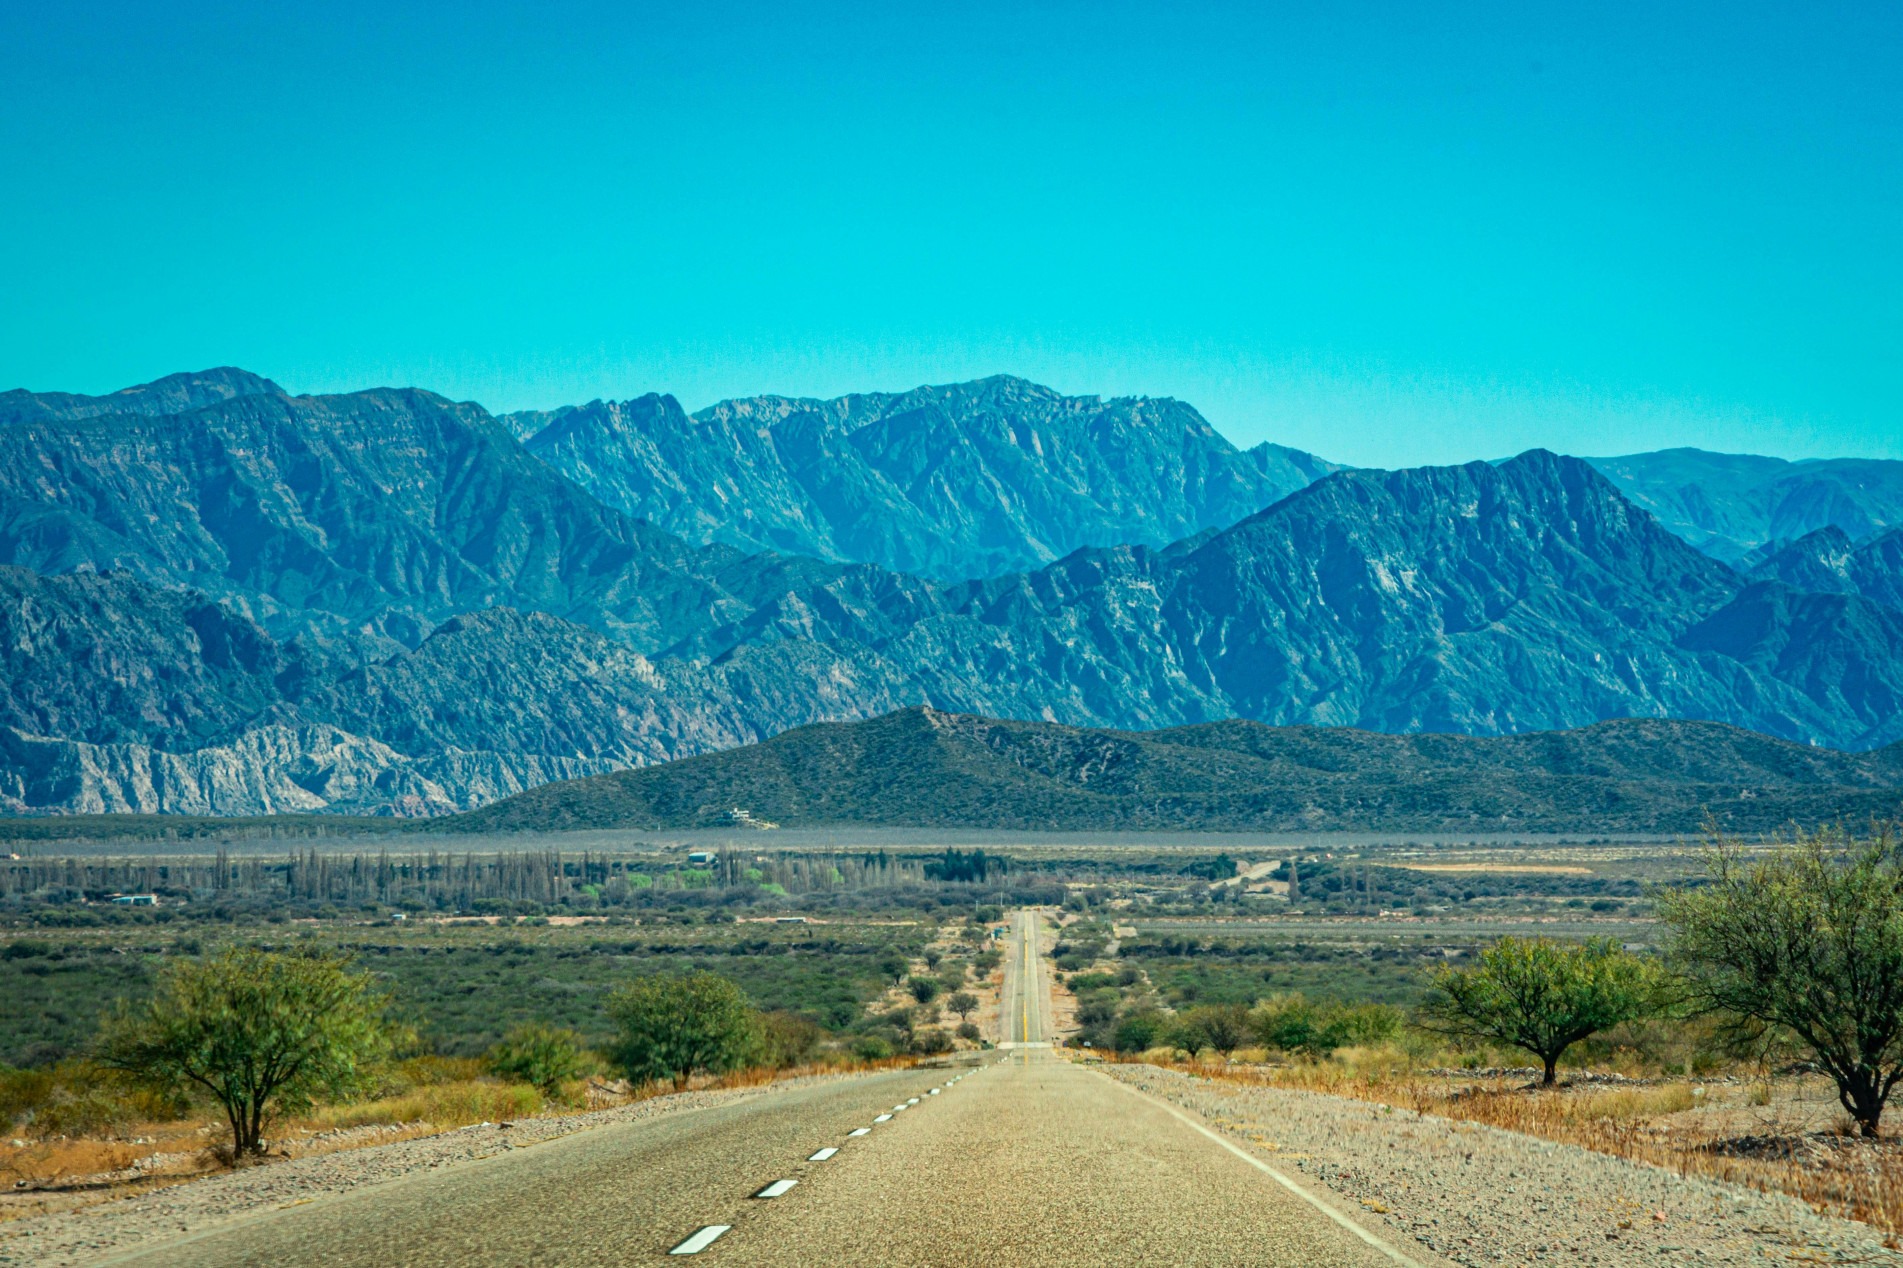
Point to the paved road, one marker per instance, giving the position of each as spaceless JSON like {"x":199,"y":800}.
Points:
{"x":1026,"y":1158}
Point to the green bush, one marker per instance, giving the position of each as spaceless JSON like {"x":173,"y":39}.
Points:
{"x":1295,"y":1023}
{"x":23,"y":1093}
{"x":1140,"y":1031}
{"x":1224,"y":1027}
{"x":671,"y":1027}
{"x":787,"y":1040}
{"x":545,"y":1057}
{"x":923,"y":989}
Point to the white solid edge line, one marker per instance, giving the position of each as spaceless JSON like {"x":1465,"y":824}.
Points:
{"x":777,"y":1188}
{"x":701,"y":1240}
{"x":1390,"y":1251}
{"x":824,"y":1154}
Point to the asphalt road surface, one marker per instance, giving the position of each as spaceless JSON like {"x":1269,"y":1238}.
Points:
{"x":1021,"y":1158}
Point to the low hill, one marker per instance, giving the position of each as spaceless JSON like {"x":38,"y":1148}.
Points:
{"x":923,"y":768}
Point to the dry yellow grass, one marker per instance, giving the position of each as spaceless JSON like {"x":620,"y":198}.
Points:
{"x":1666,"y":1123}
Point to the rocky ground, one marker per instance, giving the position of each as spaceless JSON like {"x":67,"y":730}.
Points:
{"x":1481,"y":1196}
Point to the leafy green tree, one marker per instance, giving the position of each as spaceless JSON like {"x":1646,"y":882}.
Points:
{"x":1541,"y":996}
{"x":540,"y":1055}
{"x":964,"y":1003}
{"x":264,"y":1032}
{"x":1224,"y":1027}
{"x":1808,"y":940}
{"x":671,"y":1027}
{"x":924,"y":989}
{"x":1140,"y":1031}
{"x":893,"y":967}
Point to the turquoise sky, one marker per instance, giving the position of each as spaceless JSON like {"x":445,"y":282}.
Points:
{"x":1388,"y":233}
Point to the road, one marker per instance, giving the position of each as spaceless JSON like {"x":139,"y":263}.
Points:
{"x":1023,"y":1157}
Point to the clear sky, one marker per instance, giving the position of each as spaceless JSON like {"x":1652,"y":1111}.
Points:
{"x":1388,"y":233}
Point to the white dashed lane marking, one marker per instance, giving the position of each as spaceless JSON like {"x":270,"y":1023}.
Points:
{"x":824,"y":1154}
{"x":775,"y":1189}
{"x":883,"y":1118}
{"x":701,"y":1240}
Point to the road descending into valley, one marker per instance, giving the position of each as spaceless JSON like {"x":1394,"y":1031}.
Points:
{"x":1022,"y":1157}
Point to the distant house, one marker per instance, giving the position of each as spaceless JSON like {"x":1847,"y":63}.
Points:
{"x":744,"y":819}
{"x":703,"y":857}
{"x":789,"y":920}
{"x":136,"y":900}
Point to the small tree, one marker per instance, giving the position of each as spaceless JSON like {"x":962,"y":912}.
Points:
{"x":924,"y":989}
{"x":672,"y":1026}
{"x":1808,"y":940}
{"x":1140,"y":1031}
{"x":1540,"y":996}
{"x":540,"y":1055}
{"x":964,"y":1003}
{"x":263,"y":1032}
{"x":1223,"y":1027}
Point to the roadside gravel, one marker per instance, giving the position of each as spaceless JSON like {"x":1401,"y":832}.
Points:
{"x":85,"y":1235}
{"x":1481,"y":1196}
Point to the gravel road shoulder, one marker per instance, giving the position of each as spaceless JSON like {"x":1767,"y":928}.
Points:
{"x":1481,"y":1196}
{"x":90,"y":1233}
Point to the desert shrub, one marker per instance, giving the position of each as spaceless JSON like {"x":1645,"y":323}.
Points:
{"x":1224,"y":1027}
{"x":23,"y":1093}
{"x":923,"y":989}
{"x":787,"y":1040}
{"x":542,"y":1056}
{"x":1140,"y":1031}
{"x":1294,"y":1023}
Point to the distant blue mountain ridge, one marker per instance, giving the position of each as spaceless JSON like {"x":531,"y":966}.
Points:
{"x":218,"y":597}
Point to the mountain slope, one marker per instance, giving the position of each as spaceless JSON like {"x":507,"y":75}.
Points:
{"x":383,"y":594}
{"x":1828,"y":562}
{"x":923,"y":768}
{"x":1485,"y":599}
{"x":383,"y":511}
{"x":970,"y":479}
{"x":1732,"y":504}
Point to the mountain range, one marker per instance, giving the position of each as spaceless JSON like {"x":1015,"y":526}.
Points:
{"x":968,"y":480}
{"x":1733,"y":505}
{"x":924,"y":768}
{"x":223,"y":598}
